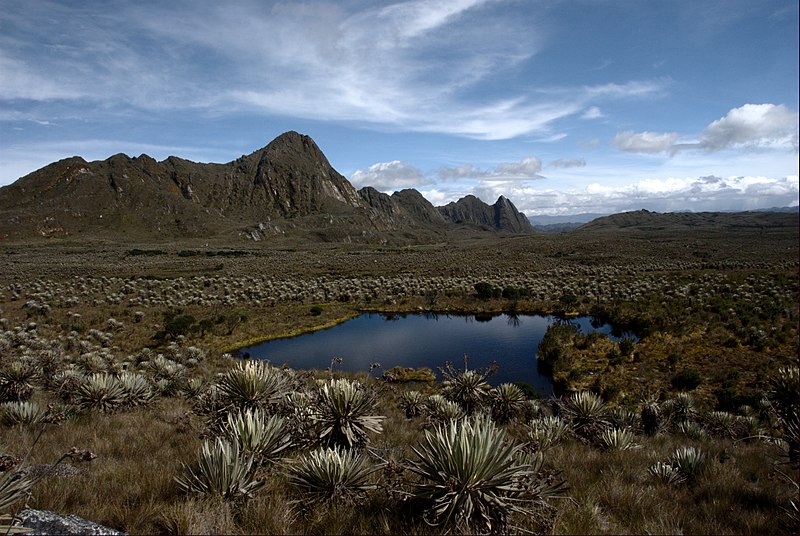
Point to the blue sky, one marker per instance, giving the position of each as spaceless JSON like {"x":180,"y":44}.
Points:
{"x":564,"y":107}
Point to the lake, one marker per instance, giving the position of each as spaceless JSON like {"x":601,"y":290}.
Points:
{"x":425,"y":340}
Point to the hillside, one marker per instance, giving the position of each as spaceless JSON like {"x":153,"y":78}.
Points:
{"x":645,"y":220}
{"x":287,"y":188}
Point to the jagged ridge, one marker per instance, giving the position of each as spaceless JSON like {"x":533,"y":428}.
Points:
{"x":287,"y":186}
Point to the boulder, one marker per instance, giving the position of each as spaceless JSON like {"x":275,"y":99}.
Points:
{"x":46,"y":523}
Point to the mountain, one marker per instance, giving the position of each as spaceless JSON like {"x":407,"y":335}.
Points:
{"x":502,"y":215}
{"x":645,"y":220}
{"x":285,"y":188}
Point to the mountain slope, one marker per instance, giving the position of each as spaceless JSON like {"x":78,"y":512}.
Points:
{"x":645,"y":220}
{"x":288,"y":186}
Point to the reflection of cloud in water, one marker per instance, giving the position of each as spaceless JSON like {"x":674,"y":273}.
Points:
{"x":423,"y":341}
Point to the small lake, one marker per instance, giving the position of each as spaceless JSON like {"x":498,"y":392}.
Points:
{"x":425,"y":340}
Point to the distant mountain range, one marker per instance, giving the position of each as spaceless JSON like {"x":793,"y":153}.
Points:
{"x":645,"y":220}
{"x":285,"y":188}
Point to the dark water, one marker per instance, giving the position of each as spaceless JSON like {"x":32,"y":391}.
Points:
{"x":418,"y":340}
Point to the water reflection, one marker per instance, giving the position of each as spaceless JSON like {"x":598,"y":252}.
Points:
{"x":425,"y":340}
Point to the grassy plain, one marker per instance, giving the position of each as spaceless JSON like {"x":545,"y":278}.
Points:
{"x":715,"y":308}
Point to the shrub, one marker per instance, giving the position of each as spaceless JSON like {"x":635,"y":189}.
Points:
{"x":686,"y":380}
{"x":626,"y":346}
{"x":221,"y":471}
{"x":343,"y":413}
{"x":474,"y":478}
{"x":553,"y":352}
{"x":408,"y":374}
{"x":331,"y":474}
{"x":486,"y":291}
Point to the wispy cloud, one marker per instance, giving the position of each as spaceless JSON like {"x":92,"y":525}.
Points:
{"x":572,"y":163}
{"x":645,"y":142}
{"x":417,"y":65}
{"x":525,"y":169}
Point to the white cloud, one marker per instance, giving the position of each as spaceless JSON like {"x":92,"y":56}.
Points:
{"x":748,"y":126}
{"x":753,"y":125}
{"x":663,"y":195}
{"x":389,"y":176}
{"x":645,"y":142}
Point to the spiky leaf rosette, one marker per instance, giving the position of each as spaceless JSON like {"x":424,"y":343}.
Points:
{"x":618,"y":439}
{"x":438,"y":409}
{"x":413,"y":403}
{"x":343,"y":413}
{"x":690,"y":462}
{"x":221,"y":470}
{"x":508,"y":402}
{"x":259,"y":436}
{"x":587,"y":413}
{"x":253,"y":384}
{"x":16,"y":382}
{"x":468,"y":389}
{"x":784,"y":395}
{"x":14,"y":487}
{"x":666,"y":473}
{"x":475,"y":478}
{"x":101,"y":391}
{"x":547,"y":432}
{"x":138,"y":391}
{"x":13,"y":413}
{"x":331,"y":474}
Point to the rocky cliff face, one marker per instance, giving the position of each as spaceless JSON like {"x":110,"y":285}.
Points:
{"x":289,"y":184}
{"x":502,"y":216}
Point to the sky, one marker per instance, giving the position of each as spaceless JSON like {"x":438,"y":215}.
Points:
{"x":564,"y":107}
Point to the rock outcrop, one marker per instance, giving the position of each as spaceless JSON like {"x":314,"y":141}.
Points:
{"x":42,"y":522}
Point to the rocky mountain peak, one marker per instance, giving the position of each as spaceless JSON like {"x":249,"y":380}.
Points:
{"x":289,"y":181}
